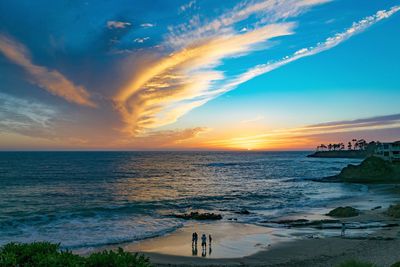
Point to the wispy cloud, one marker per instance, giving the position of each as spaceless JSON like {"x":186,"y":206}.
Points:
{"x":113,"y":24}
{"x":147,"y":25}
{"x":50,"y":80}
{"x":187,"y":6}
{"x":270,"y":11}
{"x":25,"y":117}
{"x":141,"y":40}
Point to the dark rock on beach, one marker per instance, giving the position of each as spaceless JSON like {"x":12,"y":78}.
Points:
{"x":344,"y":212}
{"x":244,"y":212}
{"x":394,"y":211}
{"x":198,"y":216}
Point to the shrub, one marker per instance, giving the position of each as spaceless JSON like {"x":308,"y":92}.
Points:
{"x":119,"y":258}
{"x":355,"y":263}
{"x":44,"y":254}
{"x":397,"y":264}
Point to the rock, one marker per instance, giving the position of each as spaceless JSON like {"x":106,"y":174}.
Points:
{"x":394,"y":211}
{"x":244,"y":212}
{"x":344,"y":212}
{"x":198,"y":216}
{"x":296,"y":221}
{"x":371,"y":170}
{"x":376,"y":208}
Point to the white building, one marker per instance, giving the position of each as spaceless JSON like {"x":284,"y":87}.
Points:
{"x":388,"y":151}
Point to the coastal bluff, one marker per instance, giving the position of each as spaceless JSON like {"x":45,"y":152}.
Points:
{"x":371,"y":170}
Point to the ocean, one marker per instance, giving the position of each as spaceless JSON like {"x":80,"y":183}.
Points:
{"x":94,"y":199}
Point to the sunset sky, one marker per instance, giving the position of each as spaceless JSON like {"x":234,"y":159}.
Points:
{"x":198,"y":74}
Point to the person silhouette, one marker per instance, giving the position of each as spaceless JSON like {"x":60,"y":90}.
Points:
{"x":204,"y":241}
{"x":209,"y":239}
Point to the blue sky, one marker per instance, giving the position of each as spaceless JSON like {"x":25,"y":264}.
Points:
{"x":196,"y":74}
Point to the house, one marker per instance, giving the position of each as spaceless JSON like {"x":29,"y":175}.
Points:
{"x":388,"y":151}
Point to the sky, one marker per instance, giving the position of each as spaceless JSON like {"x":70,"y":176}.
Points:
{"x":198,"y":74}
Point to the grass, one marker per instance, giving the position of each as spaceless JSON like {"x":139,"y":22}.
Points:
{"x":44,"y":254}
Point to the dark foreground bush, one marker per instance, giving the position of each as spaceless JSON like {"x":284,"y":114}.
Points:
{"x":45,"y":254}
{"x":354,"y":263}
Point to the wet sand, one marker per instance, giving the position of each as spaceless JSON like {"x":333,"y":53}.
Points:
{"x":249,"y":245}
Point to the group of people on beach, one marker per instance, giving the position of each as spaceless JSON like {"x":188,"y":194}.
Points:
{"x":195,"y":238}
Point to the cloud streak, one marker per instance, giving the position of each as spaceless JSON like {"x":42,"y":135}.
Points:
{"x":329,"y":43}
{"x":50,"y":80}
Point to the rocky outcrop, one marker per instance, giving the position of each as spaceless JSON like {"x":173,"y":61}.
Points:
{"x":349,"y":154}
{"x":371,"y":170}
{"x":394,"y":211}
{"x":198,"y":216}
{"x":343,"y":212}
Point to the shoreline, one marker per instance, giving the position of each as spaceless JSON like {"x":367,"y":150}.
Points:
{"x":236,"y":243}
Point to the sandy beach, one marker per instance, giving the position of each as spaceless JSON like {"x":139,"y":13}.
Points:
{"x":372,"y":237}
{"x":262,"y":246}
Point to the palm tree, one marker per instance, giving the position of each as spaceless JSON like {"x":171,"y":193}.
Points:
{"x":341,"y":146}
{"x":330,"y":147}
{"x":349,"y":146}
{"x":354,"y":143}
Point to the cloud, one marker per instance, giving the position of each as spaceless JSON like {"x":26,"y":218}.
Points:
{"x":25,"y":117}
{"x":165,"y":139}
{"x":171,"y":86}
{"x":147,"y":25}
{"x":187,"y":6}
{"x":50,"y":80}
{"x":112,"y":24}
{"x":270,"y":11}
{"x":141,"y":40}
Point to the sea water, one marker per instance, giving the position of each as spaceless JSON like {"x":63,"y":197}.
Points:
{"x":92,"y":199}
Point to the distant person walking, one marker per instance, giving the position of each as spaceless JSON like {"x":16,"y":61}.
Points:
{"x":209,"y":239}
{"x":204,"y":241}
{"x":343,"y":229}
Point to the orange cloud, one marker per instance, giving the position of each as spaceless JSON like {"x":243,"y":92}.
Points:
{"x":50,"y":80}
{"x":174,"y":85}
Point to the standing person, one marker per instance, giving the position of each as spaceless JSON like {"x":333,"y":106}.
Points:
{"x":209,"y":239}
{"x":204,"y":241}
{"x":196,"y":237}
{"x":343,"y":229}
{"x":193,"y":238}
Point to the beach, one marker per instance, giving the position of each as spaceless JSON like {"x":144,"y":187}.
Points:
{"x":307,"y":239}
{"x":262,"y":246}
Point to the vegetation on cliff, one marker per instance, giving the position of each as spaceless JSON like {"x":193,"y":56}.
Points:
{"x":371,"y":170}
